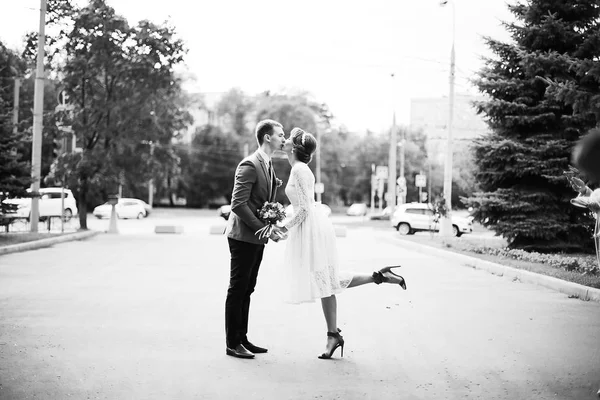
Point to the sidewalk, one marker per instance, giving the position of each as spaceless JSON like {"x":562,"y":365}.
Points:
{"x":39,"y":244}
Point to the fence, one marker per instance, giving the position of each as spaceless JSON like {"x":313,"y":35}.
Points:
{"x":46,"y":224}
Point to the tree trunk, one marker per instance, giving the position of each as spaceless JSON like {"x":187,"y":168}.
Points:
{"x":170,"y":190}
{"x":83,"y":206}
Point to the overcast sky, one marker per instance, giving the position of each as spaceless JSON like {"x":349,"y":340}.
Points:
{"x":342,"y":53}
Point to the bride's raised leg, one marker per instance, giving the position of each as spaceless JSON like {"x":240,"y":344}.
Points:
{"x":383,"y":275}
{"x":361,"y":279}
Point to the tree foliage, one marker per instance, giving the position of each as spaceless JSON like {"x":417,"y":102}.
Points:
{"x":120,"y":81}
{"x":14,"y":169}
{"x":524,"y":196}
{"x":208,"y":166}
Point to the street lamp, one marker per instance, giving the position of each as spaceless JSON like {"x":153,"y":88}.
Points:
{"x":402,"y":179}
{"x":318,"y":185}
{"x":319,"y":188}
{"x":38,"y":122}
{"x":392,"y":156}
{"x":446,"y":223}
{"x":150,"y":181}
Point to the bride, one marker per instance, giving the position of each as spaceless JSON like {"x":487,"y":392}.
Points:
{"x":311,"y":261}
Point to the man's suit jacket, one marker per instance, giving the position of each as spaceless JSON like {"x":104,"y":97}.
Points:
{"x":251,"y":189}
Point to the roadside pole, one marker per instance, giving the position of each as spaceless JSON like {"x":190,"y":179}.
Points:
{"x":38,"y":116}
{"x":16,"y":104}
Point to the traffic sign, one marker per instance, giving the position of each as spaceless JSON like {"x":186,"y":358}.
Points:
{"x":381,"y":171}
{"x":420,"y":180}
{"x":319,"y":187}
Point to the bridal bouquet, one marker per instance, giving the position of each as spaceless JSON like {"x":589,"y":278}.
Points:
{"x":271,"y":214}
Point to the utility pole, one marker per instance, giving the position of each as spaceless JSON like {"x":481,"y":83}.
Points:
{"x":446,"y":225}
{"x":318,"y":166}
{"x":392,"y":156}
{"x":38,"y":116}
{"x":246,"y":151}
{"x":16,"y":105}
{"x":402,"y":196}
{"x":429,"y":178}
{"x":373,"y":183}
{"x":151,"y":181}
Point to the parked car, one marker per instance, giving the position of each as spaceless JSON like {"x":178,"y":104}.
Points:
{"x":50,"y":204}
{"x":413,"y":217}
{"x":385,"y":214}
{"x":125,"y":208}
{"x":357,"y":209}
{"x":289,"y":210}
{"x":224,"y":211}
{"x":146,"y":206}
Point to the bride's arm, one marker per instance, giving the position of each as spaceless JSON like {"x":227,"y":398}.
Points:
{"x":302,"y":178}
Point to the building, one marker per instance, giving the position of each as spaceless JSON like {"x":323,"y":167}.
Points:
{"x":431,"y":115}
{"x":204,"y":112}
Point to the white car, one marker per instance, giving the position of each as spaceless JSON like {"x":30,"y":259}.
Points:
{"x":413,"y":217}
{"x":125,"y":208}
{"x":357,"y":209}
{"x":49,"y":204}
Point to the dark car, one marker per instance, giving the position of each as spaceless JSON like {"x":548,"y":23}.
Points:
{"x":224,"y":211}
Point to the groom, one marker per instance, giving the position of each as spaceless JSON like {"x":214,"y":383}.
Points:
{"x":254,"y":184}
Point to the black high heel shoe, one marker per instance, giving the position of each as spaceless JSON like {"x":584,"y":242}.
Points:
{"x":387,"y":275}
{"x":339,"y":342}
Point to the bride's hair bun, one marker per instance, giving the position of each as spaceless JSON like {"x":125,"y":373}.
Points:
{"x":304,"y":143}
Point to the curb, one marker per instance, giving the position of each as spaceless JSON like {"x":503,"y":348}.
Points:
{"x":38,"y":244}
{"x":572,"y":289}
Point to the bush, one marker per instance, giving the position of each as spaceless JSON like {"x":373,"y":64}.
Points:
{"x":586,"y":265}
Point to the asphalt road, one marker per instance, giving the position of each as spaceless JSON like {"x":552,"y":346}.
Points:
{"x":140,"y":316}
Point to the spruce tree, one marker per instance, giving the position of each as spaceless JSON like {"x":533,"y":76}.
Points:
{"x":524,"y":196}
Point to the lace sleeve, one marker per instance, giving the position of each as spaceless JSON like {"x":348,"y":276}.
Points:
{"x":302,"y":178}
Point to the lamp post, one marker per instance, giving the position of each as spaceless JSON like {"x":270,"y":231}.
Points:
{"x":446,"y":225}
{"x":391,"y":200}
{"x":318,"y":165}
{"x":38,"y":117}
{"x":402,"y":179}
{"x":150,"y":181}
{"x":319,"y":187}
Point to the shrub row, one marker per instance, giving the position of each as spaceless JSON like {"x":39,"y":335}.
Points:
{"x":587,"y":265}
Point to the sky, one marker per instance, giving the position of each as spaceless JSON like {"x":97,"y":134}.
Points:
{"x":342,"y":52}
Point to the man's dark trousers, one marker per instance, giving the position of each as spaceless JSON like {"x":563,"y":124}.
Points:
{"x":245,"y":262}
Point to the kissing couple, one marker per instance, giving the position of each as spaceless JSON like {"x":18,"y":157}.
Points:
{"x":310,"y":261}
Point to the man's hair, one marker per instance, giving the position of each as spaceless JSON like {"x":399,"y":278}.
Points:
{"x":265,"y":127}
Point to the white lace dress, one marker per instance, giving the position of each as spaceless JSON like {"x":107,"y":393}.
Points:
{"x":310,"y":261}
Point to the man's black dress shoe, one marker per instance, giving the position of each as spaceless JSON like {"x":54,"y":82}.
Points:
{"x":239,"y":351}
{"x":254,"y":348}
